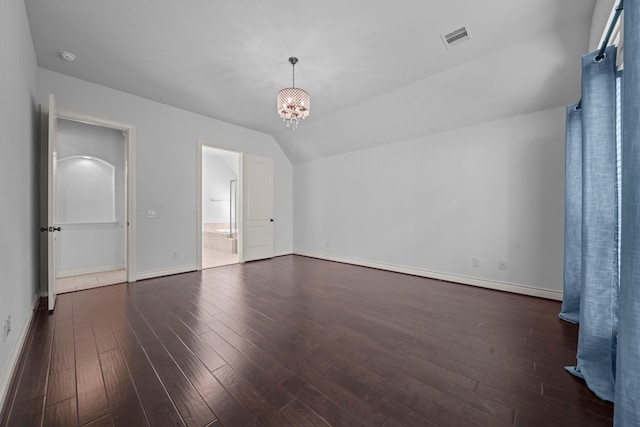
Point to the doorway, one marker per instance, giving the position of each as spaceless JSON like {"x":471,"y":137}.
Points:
{"x":220,"y":207}
{"x":93,"y":170}
{"x":90,"y":205}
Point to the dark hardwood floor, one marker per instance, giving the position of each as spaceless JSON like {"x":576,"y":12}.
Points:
{"x":296,"y":341}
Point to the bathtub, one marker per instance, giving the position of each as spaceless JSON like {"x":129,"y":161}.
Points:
{"x":219,"y":237}
{"x":226,"y":230}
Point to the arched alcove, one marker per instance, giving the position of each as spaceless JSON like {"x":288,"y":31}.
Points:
{"x":86,"y":190}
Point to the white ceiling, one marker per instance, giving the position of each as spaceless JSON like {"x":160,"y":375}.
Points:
{"x":377,"y":71}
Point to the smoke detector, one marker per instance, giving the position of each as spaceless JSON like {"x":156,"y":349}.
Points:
{"x":455,"y":37}
{"x":67,"y":56}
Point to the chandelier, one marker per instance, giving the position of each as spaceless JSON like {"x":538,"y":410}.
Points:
{"x":293,"y":103}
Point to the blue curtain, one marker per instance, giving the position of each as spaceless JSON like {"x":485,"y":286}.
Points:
{"x":599,"y":288}
{"x":573,"y":216}
{"x":627,"y":397}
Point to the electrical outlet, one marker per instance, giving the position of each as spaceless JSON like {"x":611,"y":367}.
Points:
{"x":174,"y":254}
{"x":326,"y":244}
{"x":502,"y":265}
{"x":475,"y":262}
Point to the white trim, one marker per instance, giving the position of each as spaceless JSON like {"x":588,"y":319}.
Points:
{"x":482,"y":283}
{"x":199,"y":206}
{"x":166,"y":272}
{"x":129,"y":132}
{"x":282,"y":253}
{"x":14,"y":358}
{"x":131,"y":205}
{"x":90,"y":120}
{"x":89,"y":270}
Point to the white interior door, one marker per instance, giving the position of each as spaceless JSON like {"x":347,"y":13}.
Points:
{"x":48,"y":228}
{"x":257,"y":207}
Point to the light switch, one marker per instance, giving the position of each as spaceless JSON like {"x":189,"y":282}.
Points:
{"x":151,"y":214}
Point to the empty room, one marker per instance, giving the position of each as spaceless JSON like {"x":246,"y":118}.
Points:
{"x":252,"y":213}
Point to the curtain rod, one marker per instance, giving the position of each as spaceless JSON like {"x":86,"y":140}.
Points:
{"x":614,"y":21}
{"x":605,"y":42}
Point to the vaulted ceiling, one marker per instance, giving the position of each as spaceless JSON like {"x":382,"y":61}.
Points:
{"x":377,"y":71}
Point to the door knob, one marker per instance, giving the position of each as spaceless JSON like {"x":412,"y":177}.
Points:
{"x":43,"y":228}
{"x":271,"y":220}
{"x":57,"y":228}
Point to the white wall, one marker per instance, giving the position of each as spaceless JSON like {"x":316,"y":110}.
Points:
{"x":166,"y":162}
{"x":216,"y":174}
{"x":18,"y":180}
{"x":87,"y":247}
{"x":494,"y":191}
{"x":599,"y":20}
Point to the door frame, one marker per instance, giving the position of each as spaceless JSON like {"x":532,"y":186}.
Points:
{"x":201,"y":145}
{"x":129,"y":132}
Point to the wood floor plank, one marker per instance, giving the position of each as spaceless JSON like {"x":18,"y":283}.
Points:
{"x":351,"y":399}
{"x":79,"y":304}
{"x":218,"y":399}
{"x":160,"y":410}
{"x":125,"y":406}
{"x":61,"y":387}
{"x":62,"y":414}
{"x":299,"y":341}
{"x":189,"y":403}
{"x":33,"y":382}
{"x":192,"y":340}
{"x":63,"y":356}
{"x":28,"y":413}
{"x":105,"y":340}
{"x":289,"y":351}
{"x":64,"y":307}
{"x":405,"y":385}
{"x":264,"y":413}
{"x":142,"y":372}
{"x":269,"y":387}
{"x":82,"y":329}
{"x":300,"y":415}
{"x":91,"y":394}
{"x":532,"y":406}
{"x":105,"y":421}
{"x":252,"y":352}
{"x":319,"y":403}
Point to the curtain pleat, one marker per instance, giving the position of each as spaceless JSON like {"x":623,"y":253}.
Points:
{"x":572,"y":216}
{"x":598,"y":319}
{"x":627,"y":397}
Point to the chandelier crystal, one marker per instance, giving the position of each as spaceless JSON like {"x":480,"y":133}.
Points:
{"x":294,"y":103}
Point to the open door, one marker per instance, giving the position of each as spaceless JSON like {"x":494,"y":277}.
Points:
{"x":257,"y":207}
{"x":48,"y":226}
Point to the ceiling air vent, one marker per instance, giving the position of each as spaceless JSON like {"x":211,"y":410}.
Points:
{"x":455,"y":37}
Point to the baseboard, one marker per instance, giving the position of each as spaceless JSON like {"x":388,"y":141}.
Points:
{"x":482,"y":283}
{"x":167,"y":272}
{"x":283,"y":253}
{"x":7,"y":376}
{"x":90,"y":270}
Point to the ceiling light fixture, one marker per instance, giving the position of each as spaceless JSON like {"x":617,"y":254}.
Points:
{"x":293,"y":103}
{"x":67,"y":56}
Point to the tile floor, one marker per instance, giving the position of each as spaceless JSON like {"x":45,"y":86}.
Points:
{"x":88,"y":281}
{"x":212,"y":258}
